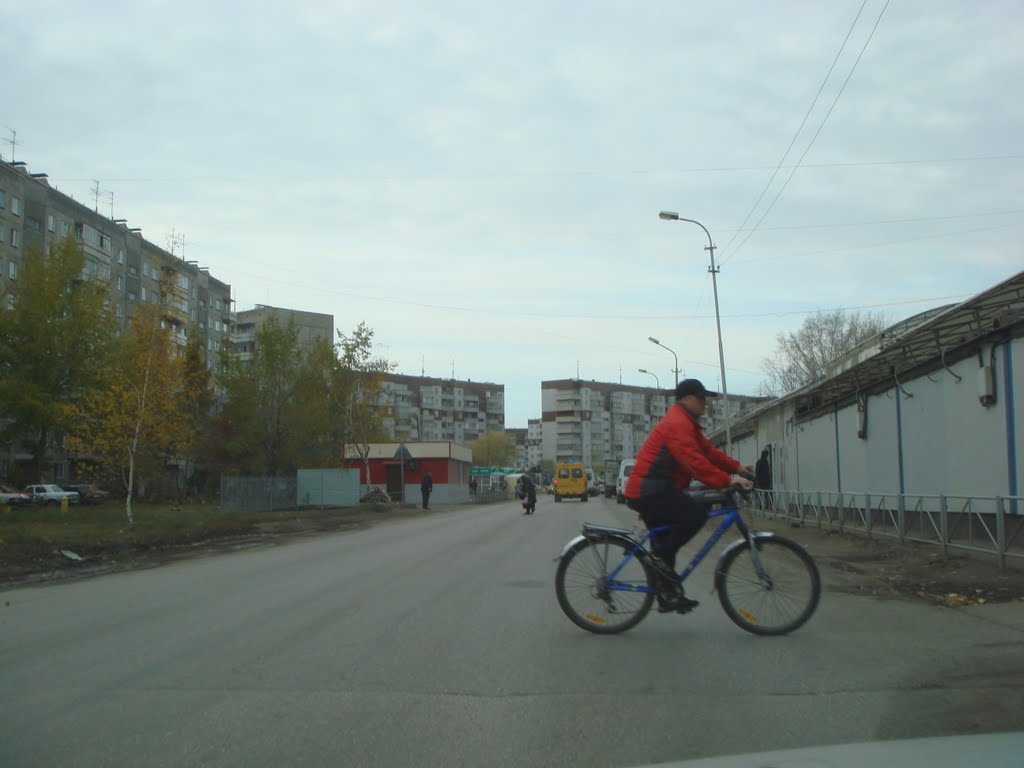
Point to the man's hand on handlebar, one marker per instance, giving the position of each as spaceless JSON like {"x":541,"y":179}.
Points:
{"x":742,"y":483}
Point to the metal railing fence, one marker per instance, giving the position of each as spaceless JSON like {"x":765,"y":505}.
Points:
{"x":257,"y":494}
{"x":989,"y":524}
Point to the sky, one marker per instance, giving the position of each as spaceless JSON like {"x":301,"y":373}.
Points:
{"x":480,"y":182}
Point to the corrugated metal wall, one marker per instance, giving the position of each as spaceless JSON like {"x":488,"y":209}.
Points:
{"x":929,"y":435}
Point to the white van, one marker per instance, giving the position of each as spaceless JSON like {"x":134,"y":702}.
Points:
{"x":620,"y":484}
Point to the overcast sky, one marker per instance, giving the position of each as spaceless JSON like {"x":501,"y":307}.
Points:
{"x":480,"y":182}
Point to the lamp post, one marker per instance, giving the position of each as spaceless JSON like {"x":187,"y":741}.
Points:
{"x":674,"y":356}
{"x":673,"y":216}
{"x":657,"y":381}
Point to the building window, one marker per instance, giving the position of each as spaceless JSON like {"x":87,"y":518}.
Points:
{"x":12,"y":270}
{"x":120,"y":256}
{"x":143,"y":293}
{"x":133,"y":271}
{"x":131,"y":296}
{"x":64,"y":229}
{"x":16,"y":206}
{"x":51,"y":223}
{"x":120,"y":282}
{"x":3,"y":199}
{"x":14,"y":238}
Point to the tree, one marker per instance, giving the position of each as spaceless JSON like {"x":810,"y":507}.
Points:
{"x":803,"y":356}
{"x":136,"y":423}
{"x":286,"y":408}
{"x":493,"y":449}
{"x":254,"y":421}
{"x":198,"y":411}
{"x":54,"y":346}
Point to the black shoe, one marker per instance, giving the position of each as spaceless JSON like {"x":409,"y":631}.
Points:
{"x":678,"y":603}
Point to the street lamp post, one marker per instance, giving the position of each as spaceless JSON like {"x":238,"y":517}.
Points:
{"x":673,"y":216}
{"x":674,"y":356}
{"x":657,"y":381}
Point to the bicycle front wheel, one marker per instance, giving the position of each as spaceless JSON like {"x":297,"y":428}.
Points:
{"x":779,"y":599}
{"x":589,"y":595}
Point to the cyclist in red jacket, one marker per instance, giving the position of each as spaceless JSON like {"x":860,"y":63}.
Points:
{"x":674,"y":454}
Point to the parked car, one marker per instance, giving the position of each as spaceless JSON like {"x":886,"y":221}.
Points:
{"x":620,"y":485}
{"x":45,"y":493}
{"x":11,"y":497}
{"x":88,"y":494}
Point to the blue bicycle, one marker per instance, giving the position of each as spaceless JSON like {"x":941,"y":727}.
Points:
{"x":767,"y":584}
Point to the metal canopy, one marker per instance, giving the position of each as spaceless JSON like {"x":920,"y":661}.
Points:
{"x":925,"y":342}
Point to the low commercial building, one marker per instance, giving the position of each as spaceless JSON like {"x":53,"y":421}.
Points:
{"x":399,"y":467}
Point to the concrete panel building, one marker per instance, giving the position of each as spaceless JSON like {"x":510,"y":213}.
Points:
{"x":135,"y":270}
{"x":420,"y":408}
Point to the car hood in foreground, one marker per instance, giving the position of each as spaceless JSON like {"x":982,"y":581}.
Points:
{"x":993,"y":750}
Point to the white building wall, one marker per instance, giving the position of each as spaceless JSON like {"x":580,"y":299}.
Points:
{"x":951,"y":444}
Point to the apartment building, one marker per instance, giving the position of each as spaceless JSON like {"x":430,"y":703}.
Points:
{"x":419,"y":408}
{"x":310,"y":325}
{"x":595,"y":422}
{"x":134,"y":271}
{"x":33,"y":213}
{"x":598,"y":422}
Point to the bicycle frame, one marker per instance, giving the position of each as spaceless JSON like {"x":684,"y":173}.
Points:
{"x":730,"y":517}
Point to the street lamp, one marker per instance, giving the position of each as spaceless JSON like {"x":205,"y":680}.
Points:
{"x":676,"y":357}
{"x":673,"y":216}
{"x":656,"y":379}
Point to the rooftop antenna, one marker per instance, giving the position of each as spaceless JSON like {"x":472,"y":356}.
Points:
{"x":96,"y":195}
{"x":174,"y":239}
{"x":423,"y":368}
{"x":13,"y":141}
{"x":453,"y":370}
{"x":110,"y":195}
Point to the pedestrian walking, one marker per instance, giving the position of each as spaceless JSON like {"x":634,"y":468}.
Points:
{"x":426,"y":486}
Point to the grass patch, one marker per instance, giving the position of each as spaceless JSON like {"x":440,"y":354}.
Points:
{"x":31,"y":538}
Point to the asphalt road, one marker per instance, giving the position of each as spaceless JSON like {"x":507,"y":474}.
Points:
{"x":439,"y":642}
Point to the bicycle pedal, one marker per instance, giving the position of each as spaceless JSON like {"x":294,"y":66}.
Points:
{"x":688,"y":606}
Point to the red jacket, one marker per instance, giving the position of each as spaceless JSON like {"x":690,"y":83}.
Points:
{"x":676,"y":453}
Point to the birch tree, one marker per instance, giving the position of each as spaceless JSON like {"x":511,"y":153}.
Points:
{"x":138,"y":419}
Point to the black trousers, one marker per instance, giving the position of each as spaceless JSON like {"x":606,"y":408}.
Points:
{"x":426,"y":496}
{"x":685,"y":514}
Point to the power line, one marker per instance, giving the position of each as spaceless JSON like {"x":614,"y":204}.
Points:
{"x":815,"y":136}
{"x":796,"y":135}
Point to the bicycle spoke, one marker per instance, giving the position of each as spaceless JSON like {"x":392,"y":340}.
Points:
{"x":594,"y":602}
{"x":778,"y":600}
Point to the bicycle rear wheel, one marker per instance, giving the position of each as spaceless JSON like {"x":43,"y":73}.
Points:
{"x":590,"y":598}
{"x":783,"y":600}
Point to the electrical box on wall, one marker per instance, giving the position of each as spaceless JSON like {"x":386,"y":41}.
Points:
{"x":986,"y":386}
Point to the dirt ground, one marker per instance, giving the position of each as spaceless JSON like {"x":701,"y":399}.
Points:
{"x":879,"y":567}
{"x":883,"y":568}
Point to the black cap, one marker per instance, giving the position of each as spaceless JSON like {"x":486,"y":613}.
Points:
{"x":692,"y":387}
